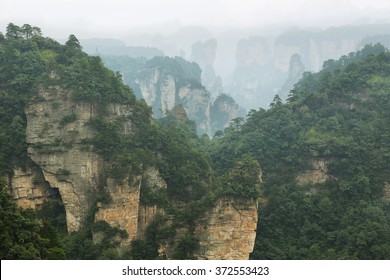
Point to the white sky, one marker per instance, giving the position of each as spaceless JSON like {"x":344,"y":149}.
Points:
{"x":88,"y":18}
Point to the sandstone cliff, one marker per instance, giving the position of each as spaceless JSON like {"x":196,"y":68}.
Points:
{"x":64,"y":164}
{"x":162,"y":92}
{"x":223,"y":110}
{"x":57,"y":132}
{"x":229,"y":231}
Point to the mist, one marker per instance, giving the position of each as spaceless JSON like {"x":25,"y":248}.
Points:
{"x":255,"y":40}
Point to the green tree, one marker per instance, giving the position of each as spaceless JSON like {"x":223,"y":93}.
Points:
{"x":19,"y":231}
{"x":73,"y":42}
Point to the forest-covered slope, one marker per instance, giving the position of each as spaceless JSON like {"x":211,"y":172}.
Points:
{"x":326,"y":162}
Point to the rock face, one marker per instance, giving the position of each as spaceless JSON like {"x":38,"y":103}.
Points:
{"x":162,"y":93}
{"x":197,"y":104}
{"x":158,"y":92}
{"x":295,"y":71}
{"x":165,"y":82}
{"x":122,"y":211}
{"x":57,"y":132}
{"x":229,"y":232}
{"x":317,"y":174}
{"x":64,"y":164}
{"x":224,"y":109}
{"x":125,"y":209}
{"x":29,"y":188}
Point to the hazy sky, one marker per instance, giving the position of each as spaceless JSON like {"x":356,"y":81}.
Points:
{"x":88,"y":18}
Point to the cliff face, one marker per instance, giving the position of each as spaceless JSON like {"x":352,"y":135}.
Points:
{"x":158,"y":92}
{"x":256,"y":78}
{"x":57,"y":132}
{"x":229,"y":232}
{"x":197,"y":104}
{"x":162,"y":93}
{"x":316,"y":174}
{"x":223,"y":110}
{"x":125,"y":209}
{"x":65,"y":164}
{"x":29,"y":188}
{"x":165,"y":82}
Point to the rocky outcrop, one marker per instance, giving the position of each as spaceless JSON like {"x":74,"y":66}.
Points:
{"x":158,"y":92}
{"x":122,"y":210}
{"x":230,"y":230}
{"x":163,"y":92}
{"x":125,"y":209}
{"x":57,"y":133}
{"x":317,"y":174}
{"x":28,"y":187}
{"x":295,"y":71}
{"x":255,"y":79}
{"x":224,"y":109}
{"x":165,"y":82}
{"x":197,"y":103}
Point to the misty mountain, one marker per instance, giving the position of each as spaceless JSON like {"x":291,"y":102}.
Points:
{"x":117,"y":47}
{"x":251,"y":65}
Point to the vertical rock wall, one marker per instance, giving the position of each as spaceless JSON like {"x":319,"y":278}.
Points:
{"x":230,"y":230}
{"x":57,"y":133}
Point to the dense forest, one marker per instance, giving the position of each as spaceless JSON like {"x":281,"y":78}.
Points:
{"x":339,"y":116}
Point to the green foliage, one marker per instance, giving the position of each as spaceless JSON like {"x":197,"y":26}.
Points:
{"x":140,"y":250}
{"x":339,"y":115}
{"x":185,"y":168}
{"x":73,"y":42}
{"x":19,"y":231}
{"x":188,"y":244}
{"x":243,"y":181}
{"x":30,"y":62}
{"x":80,"y":245}
{"x":21,"y":236}
{"x":156,"y":233}
{"x":184,"y":72}
{"x":68,"y":119}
